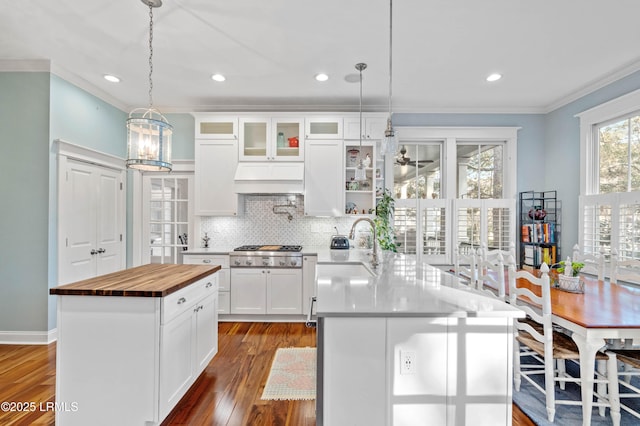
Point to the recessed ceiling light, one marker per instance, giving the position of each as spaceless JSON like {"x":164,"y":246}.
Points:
{"x":218,"y":77}
{"x":494,"y":77}
{"x":322,"y":77}
{"x":111,"y":78}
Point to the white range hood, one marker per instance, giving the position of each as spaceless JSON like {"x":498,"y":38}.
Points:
{"x":269,"y":178}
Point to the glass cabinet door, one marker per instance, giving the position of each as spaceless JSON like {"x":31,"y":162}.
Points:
{"x":288,"y":140}
{"x":254,"y":139}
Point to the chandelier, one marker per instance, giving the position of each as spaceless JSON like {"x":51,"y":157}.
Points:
{"x":148,"y":132}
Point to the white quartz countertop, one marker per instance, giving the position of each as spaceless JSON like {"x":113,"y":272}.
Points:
{"x":399,"y":286}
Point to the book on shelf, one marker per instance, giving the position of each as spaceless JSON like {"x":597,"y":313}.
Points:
{"x":538,"y":232}
{"x":536,"y":255}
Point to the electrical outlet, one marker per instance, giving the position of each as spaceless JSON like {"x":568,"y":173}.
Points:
{"x":407,"y":362}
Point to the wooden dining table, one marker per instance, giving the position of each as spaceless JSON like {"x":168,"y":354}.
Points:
{"x":604,"y":313}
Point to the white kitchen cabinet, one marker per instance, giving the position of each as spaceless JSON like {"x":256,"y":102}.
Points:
{"x":216,"y":127}
{"x":372,"y":128}
{"x":284,"y":291}
{"x":224,"y":277}
{"x":215,"y":166}
{"x":323,"y":178}
{"x":309,"y":263}
{"x":188,"y":341}
{"x":256,"y":291}
{"x":260,"y":141}
{"x":323,"y":127}
{"x":359,"y":197}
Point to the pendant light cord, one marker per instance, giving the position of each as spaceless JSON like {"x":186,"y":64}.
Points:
{"x":390,"y":52}
{"x":150,"y":55}
{"x":360,"y":69}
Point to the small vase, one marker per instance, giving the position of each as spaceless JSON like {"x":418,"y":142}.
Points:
{"x":537,"y":213}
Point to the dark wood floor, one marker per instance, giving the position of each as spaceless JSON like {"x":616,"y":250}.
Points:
{"x":226,"y":394}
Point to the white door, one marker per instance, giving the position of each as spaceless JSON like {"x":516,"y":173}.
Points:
{"x":90,"y":206}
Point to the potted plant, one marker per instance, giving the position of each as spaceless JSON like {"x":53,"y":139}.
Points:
{"x":384,"y":213}
{"x":568,"y":278}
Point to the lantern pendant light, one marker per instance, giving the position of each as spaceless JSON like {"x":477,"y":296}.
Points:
{"x":390,"y":143}
{"x":148,"y":132}
{"x":361,"y":173}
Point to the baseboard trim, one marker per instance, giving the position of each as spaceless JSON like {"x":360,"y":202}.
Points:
{"x":28,"y":337}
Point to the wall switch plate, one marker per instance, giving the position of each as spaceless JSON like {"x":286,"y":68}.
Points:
{"x":407,"y":362}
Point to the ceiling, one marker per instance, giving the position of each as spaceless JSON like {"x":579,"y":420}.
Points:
{"x":550,"y":52}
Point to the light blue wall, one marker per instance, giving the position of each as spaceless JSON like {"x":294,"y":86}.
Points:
{"x":562,"y":148}
{"x":82,"y":119}
{"x":184,"y":135}
{"x":530,"y":138}
{"x":24,"y":191}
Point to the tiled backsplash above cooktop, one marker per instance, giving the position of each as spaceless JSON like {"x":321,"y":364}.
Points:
{"x":258,"y":224}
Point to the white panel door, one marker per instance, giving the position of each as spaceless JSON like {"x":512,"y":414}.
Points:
{"x":90,"y":204}
{"x":77,"y":223}
{"x":108,"y":228}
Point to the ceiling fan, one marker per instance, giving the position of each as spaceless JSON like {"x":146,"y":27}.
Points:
{"x":403,"y":160}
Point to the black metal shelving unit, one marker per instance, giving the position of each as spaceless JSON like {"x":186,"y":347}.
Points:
{"x":539,"y":228}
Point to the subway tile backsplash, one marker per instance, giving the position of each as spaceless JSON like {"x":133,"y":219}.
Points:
{"x":259,"y":224}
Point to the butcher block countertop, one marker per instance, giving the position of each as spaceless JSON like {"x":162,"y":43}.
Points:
{"x":153,"y":280}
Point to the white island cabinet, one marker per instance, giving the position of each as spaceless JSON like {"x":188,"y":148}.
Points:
{"x":399,"y":349}
{"x":131,"y":343}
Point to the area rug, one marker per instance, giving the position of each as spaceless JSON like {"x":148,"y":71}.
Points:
{"x":531,"y":402}
{"x":292,"y":375}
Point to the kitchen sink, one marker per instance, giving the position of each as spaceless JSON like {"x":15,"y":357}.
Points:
{"x":343,"y":270}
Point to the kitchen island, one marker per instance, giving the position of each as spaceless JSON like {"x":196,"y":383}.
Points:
{"x":409,"y":344}
{"x":131,"y":343}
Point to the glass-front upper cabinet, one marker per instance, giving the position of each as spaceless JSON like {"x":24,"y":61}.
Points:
{"x":216,"y":127}
{"x":324,"y":127}
{"x":271,"y":139}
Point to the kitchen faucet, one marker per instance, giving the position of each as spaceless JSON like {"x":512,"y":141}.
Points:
{"x":374,"y":257}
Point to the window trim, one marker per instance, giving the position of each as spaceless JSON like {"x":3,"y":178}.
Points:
{"x":589,"y":120}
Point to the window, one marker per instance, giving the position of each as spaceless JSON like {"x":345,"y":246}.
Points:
{"x":610,"y":179}
{"x":454,"y":185}
{"x":480,"y":170}
{"x":619,"y":155}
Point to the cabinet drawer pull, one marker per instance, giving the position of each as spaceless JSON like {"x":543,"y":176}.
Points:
{"x":206,"y":260}
{"x":181,"y":300}
{"x":209,"y":285}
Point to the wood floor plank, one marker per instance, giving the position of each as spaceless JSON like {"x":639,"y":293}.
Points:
{"x":226,"y":394}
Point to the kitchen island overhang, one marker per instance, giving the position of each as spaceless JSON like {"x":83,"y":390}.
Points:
{"x":410,"y":341}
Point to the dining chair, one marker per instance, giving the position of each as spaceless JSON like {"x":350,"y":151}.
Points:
{"x":490,"y":279}
{"x":627,"y":270}
{"x":486,"y":254}
{"x":545,"y":349}
{"x":465,"y":266}
{"x":594,"y":264}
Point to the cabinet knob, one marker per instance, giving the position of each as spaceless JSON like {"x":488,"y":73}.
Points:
{"x":93,"y":251}
{"x":181,"y":300}
{"x":101,"y":250}
{"x":209,"y":285}
{"x":206,"y":260}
